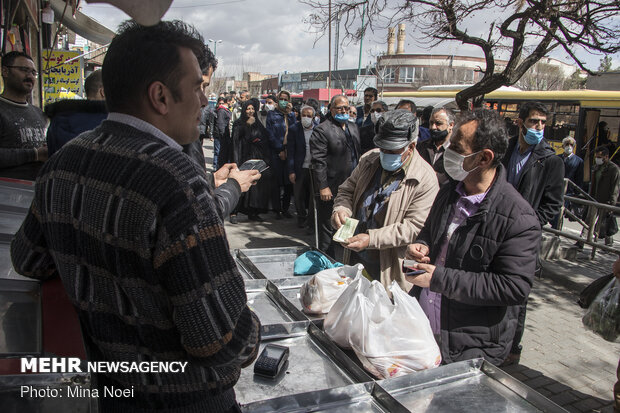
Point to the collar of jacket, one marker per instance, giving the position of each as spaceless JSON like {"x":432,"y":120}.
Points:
{"x":75,"y":106}
{"x":541,"y":150}
{"x":494,"y":191}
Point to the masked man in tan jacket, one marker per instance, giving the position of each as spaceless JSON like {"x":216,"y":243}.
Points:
{"x":390,"y":192}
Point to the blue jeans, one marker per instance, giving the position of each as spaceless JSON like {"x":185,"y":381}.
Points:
{"x":216,"y":152}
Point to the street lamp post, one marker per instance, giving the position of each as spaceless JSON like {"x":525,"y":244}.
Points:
{"x":215,"y":42}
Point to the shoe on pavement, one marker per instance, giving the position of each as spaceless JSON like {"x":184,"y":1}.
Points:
{"x":512,"y":359}
{"x":278,"y":216}
{"x":233,"y":219}
{"x":256,"y":218}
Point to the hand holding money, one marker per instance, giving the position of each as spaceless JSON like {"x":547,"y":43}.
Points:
{"x":346,"y":231}
{"x":339,"y":218}
{"x":358,"y":242}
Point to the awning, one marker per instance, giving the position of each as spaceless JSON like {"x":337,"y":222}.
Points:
{"x":82,"y":24}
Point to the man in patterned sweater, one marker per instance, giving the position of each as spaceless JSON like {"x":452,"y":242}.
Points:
{"x":129,"y":223}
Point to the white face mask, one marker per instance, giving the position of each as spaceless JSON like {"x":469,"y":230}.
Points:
{"x":374,"y":116}
{"x":599,"y":161}
{"x":306,"y":122}
{"x":568,"y":150}
{"x":269,"y":106}
{"x":453,"y":164}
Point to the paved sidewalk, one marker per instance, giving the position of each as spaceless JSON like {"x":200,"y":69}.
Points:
{"x":561,"y":359}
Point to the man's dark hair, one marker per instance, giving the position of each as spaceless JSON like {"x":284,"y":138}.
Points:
{"x":207,"y":61}
{"x":314,"y":103}
{"x":139,"y":56}
{"x":405,"y":102}
{"x":426,"y":114}
{"x":272,"y":97}
{"x":374,"y":91}
{"x":527,"y":107}
{"x":93,"y":83}
{"x":449,"y":113}
{"x":490,"y":132}
{"x":603,"y":150}
{"x":384,"y":106}
{"x":9,"y":58}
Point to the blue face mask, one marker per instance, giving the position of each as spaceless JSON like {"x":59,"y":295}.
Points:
{"x":533,"y":136}
{"x":341,"y":117}
{"x":391,"y":161}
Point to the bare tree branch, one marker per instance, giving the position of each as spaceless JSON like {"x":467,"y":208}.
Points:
{"x":535,"y":28}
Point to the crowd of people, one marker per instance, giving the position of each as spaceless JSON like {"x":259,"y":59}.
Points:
{"x":134,"y":212}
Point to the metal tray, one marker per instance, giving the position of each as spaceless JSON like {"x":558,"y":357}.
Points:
{"x":315,"y":363}
{"x":12,"y":401}
{"x":11,"y":219}
{"x":466,"y":386}
{"x":16,"y":194}
{"x":269,"y":304}
{"x":355,"y":398}
{"x":20,"y":318}
{"x":271,"y":263}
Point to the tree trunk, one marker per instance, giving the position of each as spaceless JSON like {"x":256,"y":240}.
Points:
{"x":479,"y":90}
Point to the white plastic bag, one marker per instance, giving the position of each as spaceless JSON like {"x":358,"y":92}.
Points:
{"x":345,"y":316}
{"x":390,"y":339}
{"x":319,"y":294}
{"x":603,"y":315}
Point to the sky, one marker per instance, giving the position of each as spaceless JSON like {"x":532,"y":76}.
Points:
{"x":270,"y":36}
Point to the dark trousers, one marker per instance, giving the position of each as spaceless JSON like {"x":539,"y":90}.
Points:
{"x":326,"y":232}
{"x":516,"y":341}
{"x":301,"y":191}
{"x":216,"y":152}
{"x":281,"y":197}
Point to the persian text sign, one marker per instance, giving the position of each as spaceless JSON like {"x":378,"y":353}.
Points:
{"x":64,"y":80}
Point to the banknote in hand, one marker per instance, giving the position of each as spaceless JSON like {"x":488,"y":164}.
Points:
{"x":346,"y":231}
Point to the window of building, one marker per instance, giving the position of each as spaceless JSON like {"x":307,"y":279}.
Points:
{"x":420,"y":74}
{"x":390,"y":74}
{"x":405,"y":74}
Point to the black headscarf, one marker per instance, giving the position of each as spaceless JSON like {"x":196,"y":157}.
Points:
{"x":256,"y":104}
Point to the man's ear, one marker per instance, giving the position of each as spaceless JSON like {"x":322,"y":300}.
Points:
{"x":159,"y":97}
{"x":101,"y":93}
{"x":487,"y":157}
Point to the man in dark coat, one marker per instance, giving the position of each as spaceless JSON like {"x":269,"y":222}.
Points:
{"x":441,"y":124}
{"x":604,"y":185}
{"x":573,"y":170}
{"x":298,"y":159}
{"x":478,"y":247}
{"x":70,"y":117}
{"x":221,"y":134}
{"x":335,"y":152}
{"x":363,"y":111}
{"x":367,"y":132}
{"x":538,"y":174}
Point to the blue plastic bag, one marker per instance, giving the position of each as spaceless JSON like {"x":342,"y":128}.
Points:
{"x":311,"y":262}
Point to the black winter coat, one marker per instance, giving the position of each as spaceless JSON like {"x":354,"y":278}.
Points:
{"x":69,"y":118}
{"x":541,"y":182}
{"x":490,"y":264}
{"x":331,"y":154}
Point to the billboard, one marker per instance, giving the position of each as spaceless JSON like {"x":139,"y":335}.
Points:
{"x":61,"y":79}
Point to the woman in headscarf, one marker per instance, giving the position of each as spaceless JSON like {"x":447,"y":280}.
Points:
{"x":250,"y":140}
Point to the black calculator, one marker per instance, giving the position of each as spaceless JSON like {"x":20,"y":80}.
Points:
{"x":271,"y":360}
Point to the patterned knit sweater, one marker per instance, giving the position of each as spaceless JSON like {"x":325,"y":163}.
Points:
{"x":130,"y":226}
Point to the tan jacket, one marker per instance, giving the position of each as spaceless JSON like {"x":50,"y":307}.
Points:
{"x":406,"y":213}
